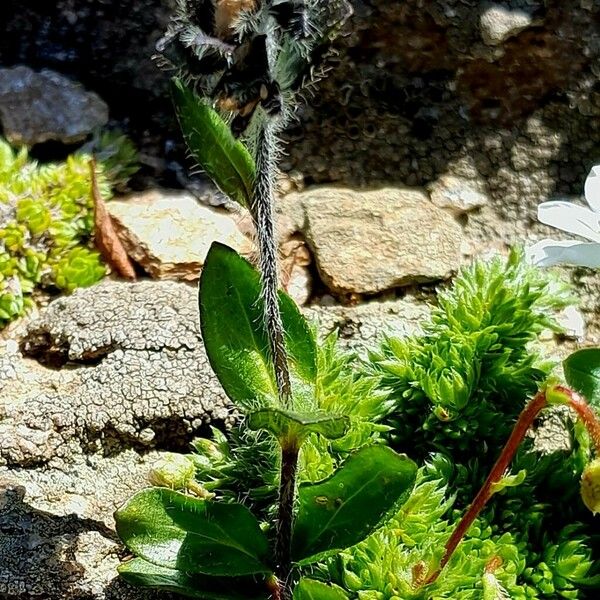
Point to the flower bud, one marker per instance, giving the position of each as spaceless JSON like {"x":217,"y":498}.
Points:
{"x":590,"y":486}
{"x":174,"y":471}
{"x":210,"y":450}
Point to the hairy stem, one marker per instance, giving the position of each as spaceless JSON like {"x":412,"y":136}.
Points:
{"x":274,"y":588}
{"x":285,"y":518}
{"x":262,"y":209}
{"x":525,"y":420}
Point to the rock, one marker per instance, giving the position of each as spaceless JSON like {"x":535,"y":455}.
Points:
{"x":456,"y":194}
{"x":296,"y":277}
{"x":57,"y":529}
{"x":368,"y":242}
{"x":137,"y":375}
{"x":573,"y":323}
{"x":169,"y":233}
{"x":362,"y":327}
{"x":300,"y":284}
{"x":44,"y":106}
{"x":498,"y":23}
{"x":100,"y":383}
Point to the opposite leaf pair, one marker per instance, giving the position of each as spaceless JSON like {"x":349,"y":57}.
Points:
{"x":210,"y":549}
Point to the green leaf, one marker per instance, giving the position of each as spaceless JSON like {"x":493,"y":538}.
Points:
{"x":176,"y":531}
{"x":288,"y":425}
{"x":142,"y":573}
{"x":582,"y":372}
{"x":225,"y":159}
{"x":345,"y":508}
{"x":508,"y":481}
{"x":234,"y":335}
{"x":309,"y":589}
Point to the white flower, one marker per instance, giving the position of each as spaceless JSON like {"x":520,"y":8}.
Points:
{"x":572,"y":218}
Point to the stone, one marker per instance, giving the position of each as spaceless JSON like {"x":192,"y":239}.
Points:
{"x":361,"y":328}
{"x":137,"y":375}
{"x":46,"y":106}
{"x":498,"y":23}
{"x":57,"y":529}
{"x":101,"y":383}
{"x":168,"y":233}
{"x":365,"y":242}
{"x":456,"y":194}
{"x":300,"y":285}
{"x":296,"y":277}
{"x":573,"y":323}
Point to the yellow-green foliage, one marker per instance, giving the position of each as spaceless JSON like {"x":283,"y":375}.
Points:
{"x":46,"y":224}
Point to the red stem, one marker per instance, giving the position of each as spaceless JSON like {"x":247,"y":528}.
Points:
{"x":525,"y":420}
{"x":585,"y":413}
{"x":274,"y":588}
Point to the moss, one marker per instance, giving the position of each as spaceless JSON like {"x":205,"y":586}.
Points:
{"x":46,"y":227}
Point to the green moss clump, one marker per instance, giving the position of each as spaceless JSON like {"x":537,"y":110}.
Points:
{"x":46,"y":227}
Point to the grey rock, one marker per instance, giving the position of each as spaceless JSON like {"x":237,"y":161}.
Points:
{"x":38,"y":107}
{"x":372,"y":241}
{"x":101,"y":380}
{"x":57,"y":531}
{"x":573,"y":323}
{"x":551,"y":433}
{"x":300,"y":284}
{"x":498,"y":23}
{"x":361,"y":328}
{"x":135,"y":375}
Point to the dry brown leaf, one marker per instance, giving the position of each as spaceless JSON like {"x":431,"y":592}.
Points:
{"x":105,"y":236}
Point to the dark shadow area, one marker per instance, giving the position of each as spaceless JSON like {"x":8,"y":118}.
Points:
{"x":415,"y":89}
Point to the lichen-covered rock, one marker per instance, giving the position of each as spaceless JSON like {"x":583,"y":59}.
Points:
{"x":136,"y":375}
{"x":102,"y":379}
{"x":169,"y":233}
{"x":39,"y":107}
{"x":57,"y":532}
{"x":362,"y":327}
{"x":372,"y":241}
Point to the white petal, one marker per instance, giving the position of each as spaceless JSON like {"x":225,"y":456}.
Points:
{"x":548,"y":253}
{"x":571,"y":218}
{"x":592,"y":188}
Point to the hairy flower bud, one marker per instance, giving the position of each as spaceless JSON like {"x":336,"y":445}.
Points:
{"x":173,"y":471}
{"x":590,"y":486}
{"x":177,"y":472}
{"x":210,"y":449}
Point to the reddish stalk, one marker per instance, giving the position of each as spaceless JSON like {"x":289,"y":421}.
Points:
{"x":274,"y":588}
{"x":524,"y":422}
{"x":585,"y":413}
